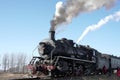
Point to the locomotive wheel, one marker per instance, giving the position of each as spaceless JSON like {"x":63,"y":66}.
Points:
{"x":80,"y":68}
{"x":62,"y":66}
{"x":89,"y":69}
{"x":87,"y":72}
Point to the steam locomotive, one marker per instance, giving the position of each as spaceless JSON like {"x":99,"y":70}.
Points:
{"x":65,"y":58}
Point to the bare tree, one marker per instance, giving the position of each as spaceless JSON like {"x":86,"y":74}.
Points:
{"x":5,"y":62}
{"x":18,"y":62}
{"x":21,"y":62}
{"x":12,"y":63}
{"x":8,"y":62}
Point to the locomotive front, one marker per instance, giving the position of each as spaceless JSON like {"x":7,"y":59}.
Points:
{"x":46,"y":46}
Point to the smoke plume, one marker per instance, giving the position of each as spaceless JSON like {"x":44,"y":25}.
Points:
{"x":65,"y":12}
{"x":103,"y":21}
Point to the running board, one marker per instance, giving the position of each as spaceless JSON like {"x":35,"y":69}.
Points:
{"x":75,"y":59}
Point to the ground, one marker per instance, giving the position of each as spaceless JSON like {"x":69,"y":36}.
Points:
{"x":7,"y":76}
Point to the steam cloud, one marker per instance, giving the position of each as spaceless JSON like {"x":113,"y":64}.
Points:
{"x":103,"y":21}
{"x":65,"y":12}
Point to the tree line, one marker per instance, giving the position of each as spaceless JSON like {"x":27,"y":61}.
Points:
{"x":14,"y":63}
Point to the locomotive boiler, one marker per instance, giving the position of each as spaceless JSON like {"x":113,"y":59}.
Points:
{"x":64,"y":47}
{"x":63,"y":57}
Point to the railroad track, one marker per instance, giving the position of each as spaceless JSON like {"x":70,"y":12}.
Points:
{"x":27,"y":79}
{"x":63,"y":78}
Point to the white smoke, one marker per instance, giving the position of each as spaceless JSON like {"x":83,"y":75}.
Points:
{"x":65,"y":12}
{"x":103,"y":21}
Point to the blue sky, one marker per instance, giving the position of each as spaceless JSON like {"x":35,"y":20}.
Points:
{"x":24,"y":23}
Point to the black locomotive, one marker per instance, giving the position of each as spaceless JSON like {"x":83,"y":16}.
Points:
{"x":65,"y":58}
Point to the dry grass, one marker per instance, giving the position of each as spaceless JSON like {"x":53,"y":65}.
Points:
{"x":102,"y":77}
{"x":7,"y":76}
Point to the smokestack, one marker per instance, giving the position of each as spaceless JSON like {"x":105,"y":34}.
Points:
{"x":52,"y":31}
{"x":52,"y":35}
